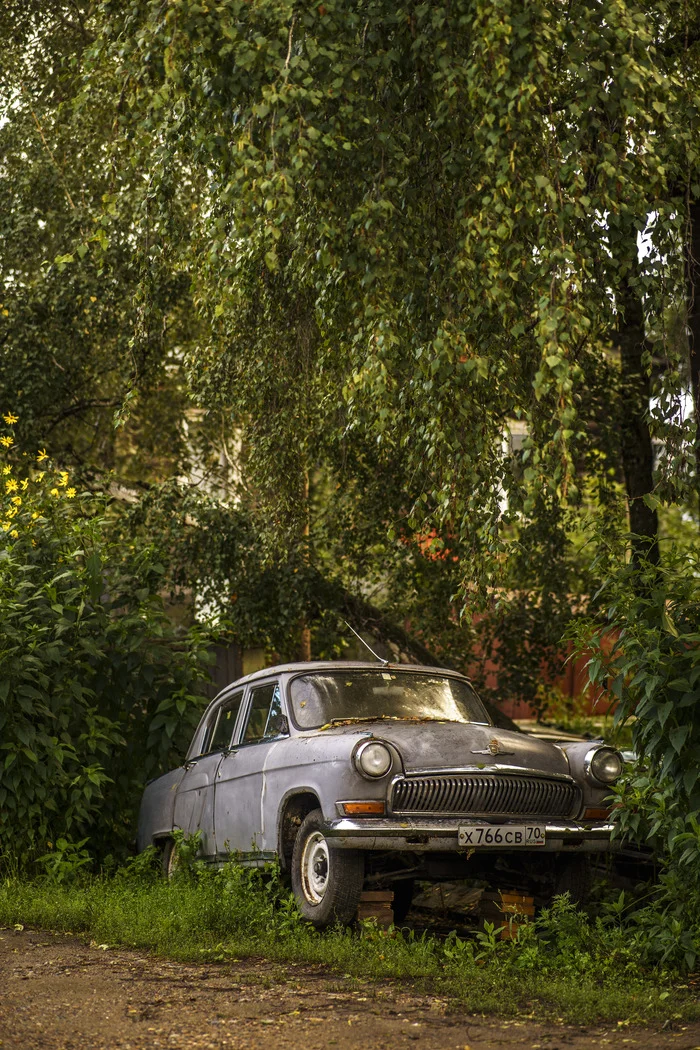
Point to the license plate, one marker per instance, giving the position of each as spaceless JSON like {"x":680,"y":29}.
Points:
{"x":504,"y":835}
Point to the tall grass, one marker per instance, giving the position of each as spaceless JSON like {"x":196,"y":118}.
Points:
{"x":564,"y":965}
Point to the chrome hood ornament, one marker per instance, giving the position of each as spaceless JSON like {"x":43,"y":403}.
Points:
{"x":495,"y":748}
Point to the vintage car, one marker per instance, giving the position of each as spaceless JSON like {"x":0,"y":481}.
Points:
{"x":370,"y":775}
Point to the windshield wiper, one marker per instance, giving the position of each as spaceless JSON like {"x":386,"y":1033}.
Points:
{"x":385,"y":718}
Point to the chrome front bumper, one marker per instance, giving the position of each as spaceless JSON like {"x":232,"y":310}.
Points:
{"x":417,"y":835}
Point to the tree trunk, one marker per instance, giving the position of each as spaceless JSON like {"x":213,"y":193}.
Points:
{"x":692,"y":274}
{"x":304,"y":629}
{"x":304,"y":641}
{"x":636,"y":446}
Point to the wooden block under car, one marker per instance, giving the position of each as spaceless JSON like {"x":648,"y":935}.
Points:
{"x":378,"y":905}
{"x":504,"y":909}
{"x":509,"y":903}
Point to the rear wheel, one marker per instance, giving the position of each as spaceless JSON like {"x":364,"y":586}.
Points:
{"x":327,"y":882}
{"x":169,"y":859}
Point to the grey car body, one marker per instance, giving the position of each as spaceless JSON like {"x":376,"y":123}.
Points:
{"x":254,"y":772}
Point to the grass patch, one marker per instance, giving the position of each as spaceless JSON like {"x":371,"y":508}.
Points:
{"x":564,"y":965}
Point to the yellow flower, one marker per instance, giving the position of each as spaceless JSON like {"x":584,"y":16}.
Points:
{"x":33,"y":543}
{"x":40,"y":474}
{"x":35,"y":515}
{"x":11,"y":512}
{"x":10,"y":419}
{"x":14,"y":534}
{"x":41,"y":455}
{"x":70,"y":493}
{"x":10,"y":485}
{"x":24,"y":484}
{"x":64,"y":477}
{"x":17,"y":500}
{"x":6,"y":441}
{"x":7,"y":470}
{"x":5,"y":525}
{"x":54,"y":492}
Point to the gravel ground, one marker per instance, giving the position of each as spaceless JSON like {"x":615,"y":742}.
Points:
{"x":58,"y":993}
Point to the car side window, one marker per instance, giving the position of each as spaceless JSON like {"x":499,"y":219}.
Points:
{"x":265,"y":720}
{"x":220,"y":730}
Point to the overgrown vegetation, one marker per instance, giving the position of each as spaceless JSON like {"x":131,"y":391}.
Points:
{"x":564,"y":964}
{"x":645,"y":649}
{"x":99,"y":690}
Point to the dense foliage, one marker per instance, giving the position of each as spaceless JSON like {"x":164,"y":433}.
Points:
{"x":98,"y":689}
{"x":437,"y":211}
{"x":648,"y":656}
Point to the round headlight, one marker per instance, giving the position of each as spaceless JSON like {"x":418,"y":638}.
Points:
{"x":605,"y":765}
{"x":373,"y":759}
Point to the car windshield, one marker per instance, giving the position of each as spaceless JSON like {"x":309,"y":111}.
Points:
{"x":322,"y":698}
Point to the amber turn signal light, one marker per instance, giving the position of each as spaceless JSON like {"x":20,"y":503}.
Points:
{"x":596,"y":813}
{"x":363,"y":809}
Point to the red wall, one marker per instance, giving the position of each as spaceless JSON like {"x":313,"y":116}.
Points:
{"x":572,"y":682}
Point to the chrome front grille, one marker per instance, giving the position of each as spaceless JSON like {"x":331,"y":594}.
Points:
{"x":489,"y":795}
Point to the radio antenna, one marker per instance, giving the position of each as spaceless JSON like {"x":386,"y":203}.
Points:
{"x":361,"y":639}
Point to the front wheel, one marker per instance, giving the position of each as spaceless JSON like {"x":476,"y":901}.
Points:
{"x":327,"y":883}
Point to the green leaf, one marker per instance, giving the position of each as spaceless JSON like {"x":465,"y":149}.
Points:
{"x":678,"y":737}
{"x":690,"y":779}
{"x":668,"y":622}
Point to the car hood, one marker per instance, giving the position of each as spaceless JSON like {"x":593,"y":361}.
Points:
{"x":440,"y":746}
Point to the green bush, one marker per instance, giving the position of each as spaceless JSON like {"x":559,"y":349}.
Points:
{"x":645,"y":649}
{"x":98,"y":690}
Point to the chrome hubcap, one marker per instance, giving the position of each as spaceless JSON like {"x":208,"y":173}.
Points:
{"x":315,"y":865}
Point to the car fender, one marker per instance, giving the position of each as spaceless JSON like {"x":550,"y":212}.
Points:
{"x":316,"y":765}
{"x":157,"y":808}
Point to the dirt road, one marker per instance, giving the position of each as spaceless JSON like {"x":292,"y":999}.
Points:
{"x":57,"y":993}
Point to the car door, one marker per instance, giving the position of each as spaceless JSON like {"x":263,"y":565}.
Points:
{"x":240,"y":782}
{"x":194,"y":802}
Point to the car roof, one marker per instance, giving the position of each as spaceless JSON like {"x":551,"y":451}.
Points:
{"x":499,"y":719}
{"x":340,"y":665}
